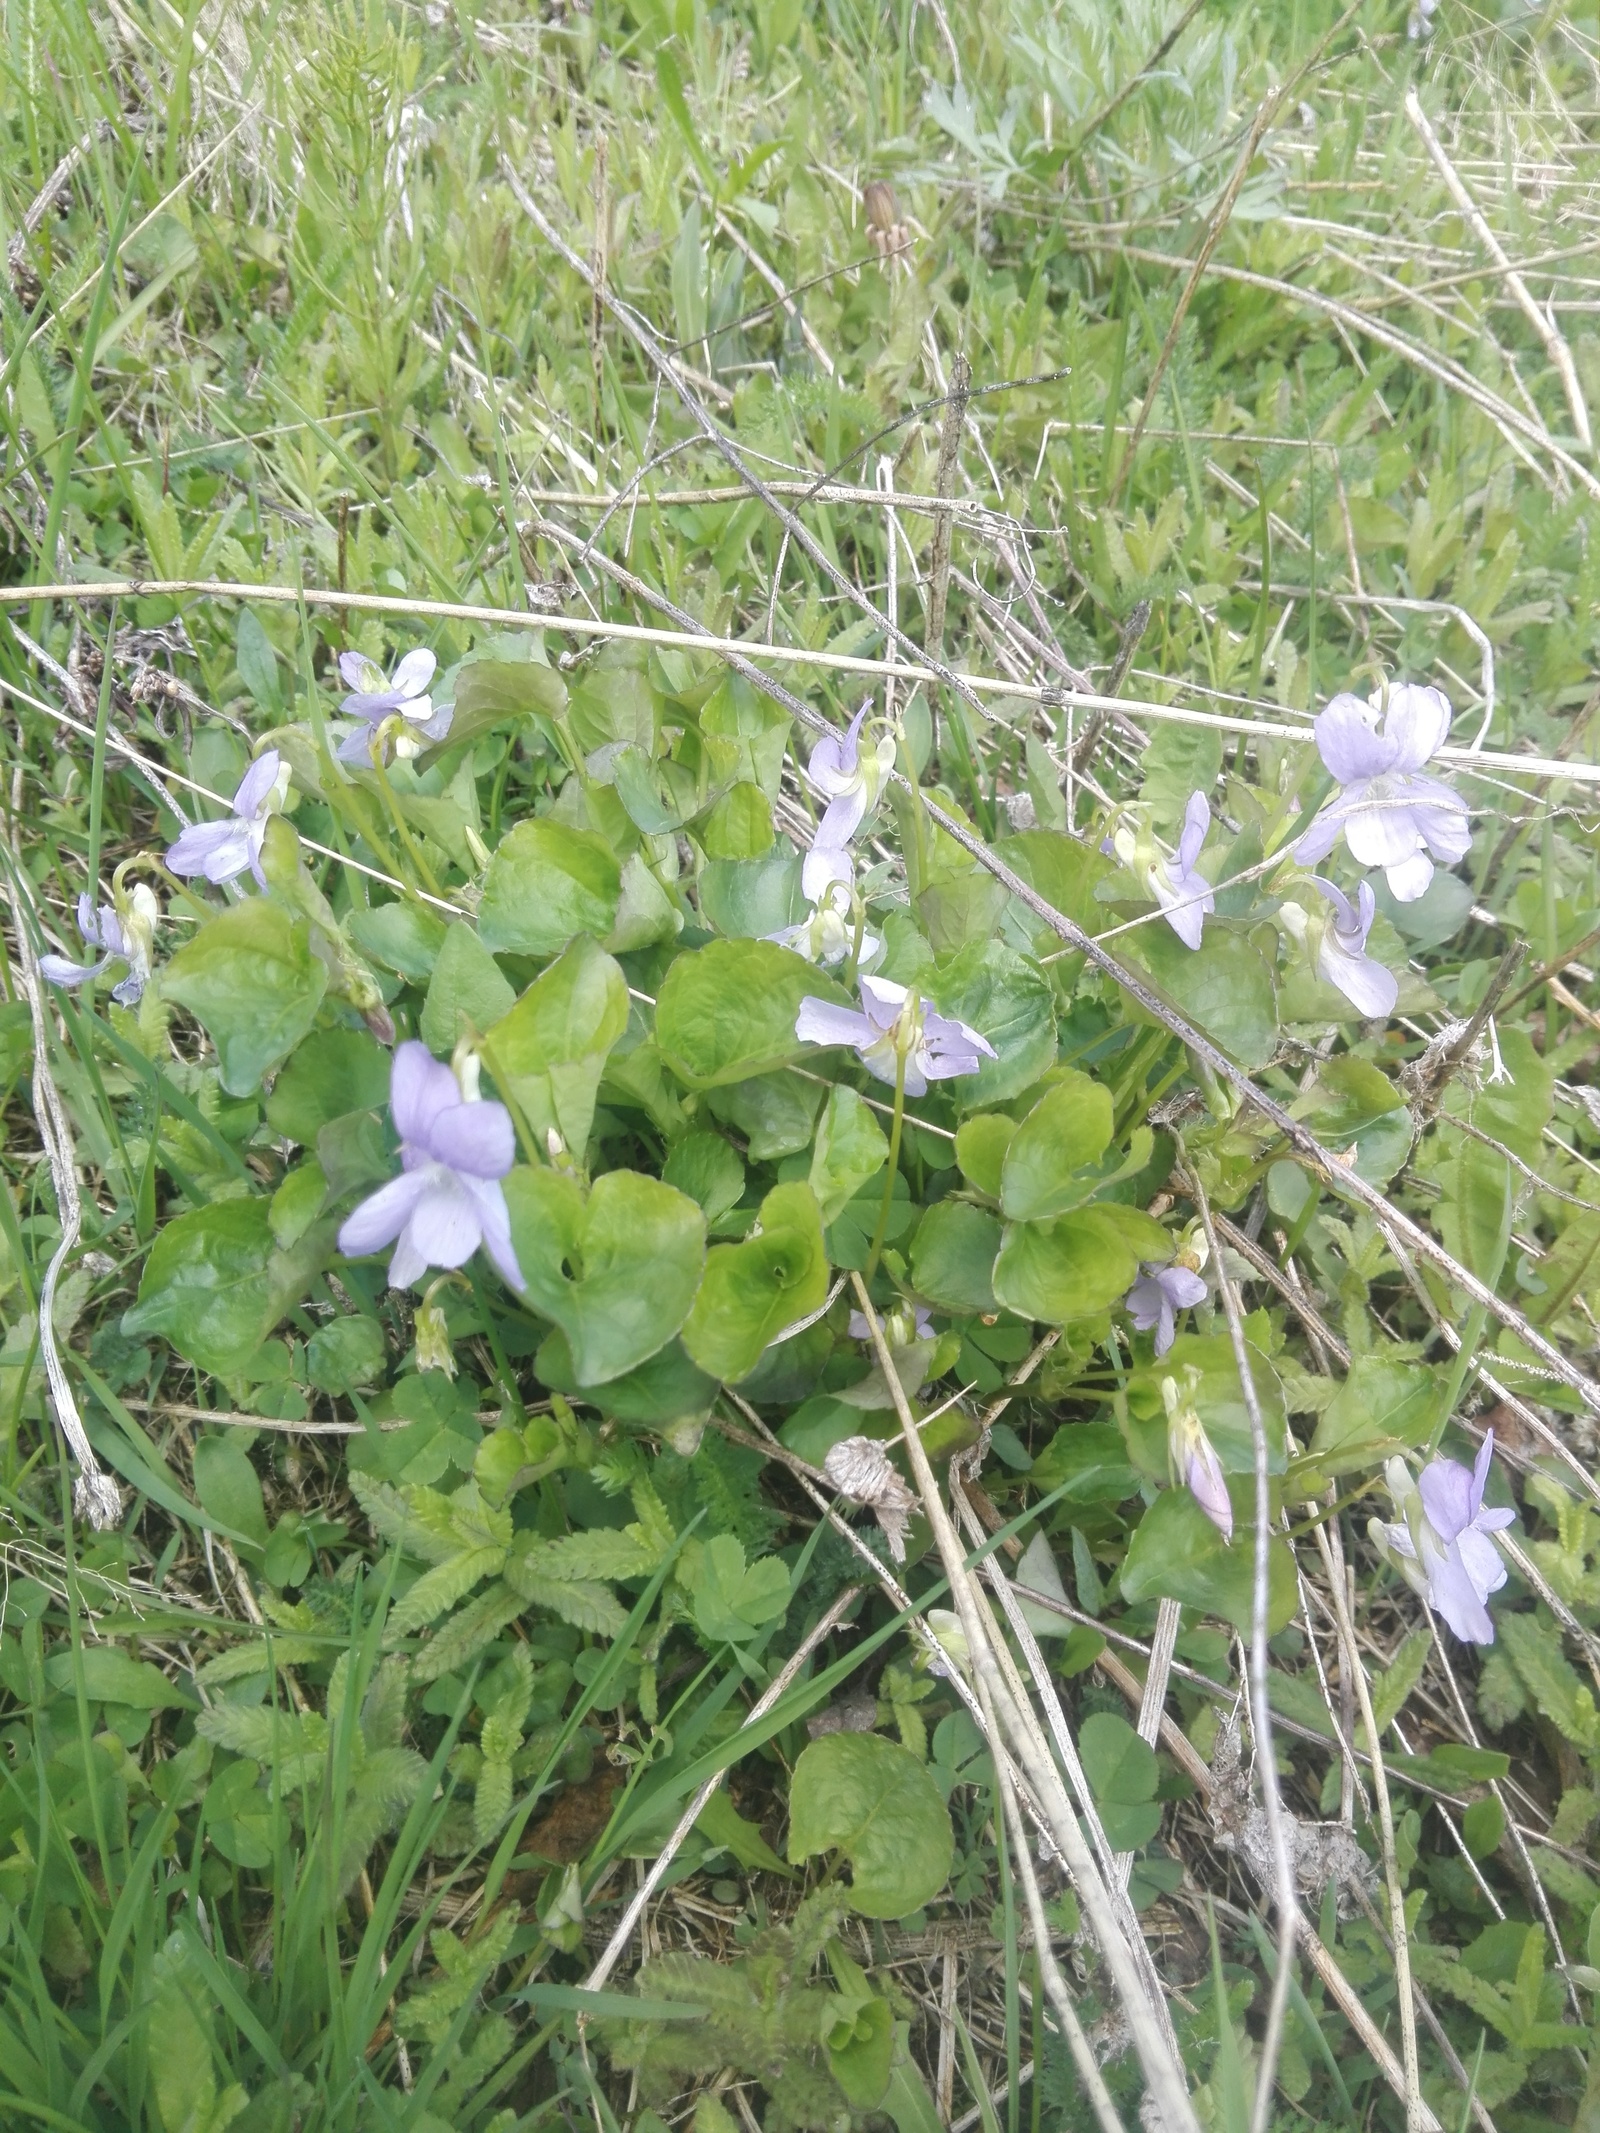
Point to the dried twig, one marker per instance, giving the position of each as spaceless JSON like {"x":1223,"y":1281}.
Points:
{"x":1542,"y":322}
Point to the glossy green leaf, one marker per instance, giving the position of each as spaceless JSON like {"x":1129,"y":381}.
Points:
{"x":775,"y":1114}
{"x":1225,"y":987}
{"x":1065,"y":1133}
{"x":401,"y":937}
{"x":253,"y":982}
{"x":981,"y":1144}
{"x":861,"y":2053}
{"x":753,"y":1291}
{"x":468,"y":991}
{"x":727,"y":1011}
{"x":1383,"y":1406}
{"x":748,"y":898}
{"x":333,"y":1072}
{"x":869,"y":1798}
{"x":1176,"y":1553}
{"x":547,"y":882}
{"x":708,"y":1169}
{"x":851,"y":1147}
{"x":666,"y":1388}
{"x":1008,"y":999}
{"x":229,"y":1488}
{"x":953,"y":1256}
{"x":214,"y":1285}
{"x":1076,"y":1266}
{"x":549,"y":1052}
{"x":616,"y":1270}
{"x":1474,"y":1217}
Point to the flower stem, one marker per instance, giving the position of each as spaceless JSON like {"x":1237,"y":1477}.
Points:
{"x":882,"y":1229}
{"x":402,"y":827}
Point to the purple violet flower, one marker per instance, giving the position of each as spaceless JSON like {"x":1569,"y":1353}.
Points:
{"x":894,"y":1021}
{"x":222,"y":850}
{"x":375,"y":698}
{"x":1178,"y":886}
{"x":1193,"y":1456}
{"x":850,"y":777}
{"x":827,"y":933}
{"x":126,"y":936}
{"x":1389,"y":815}
{"x":901,"y":1326}
{"x":1370,"y":986}
{"x":1157,"y":1297}
{"x":1442,"y":1547}
{"x":448,"y":1199}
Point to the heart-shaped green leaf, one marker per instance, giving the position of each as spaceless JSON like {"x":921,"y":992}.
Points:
{"x":753,"y":1290}
{"x":1077,"y":1265}
{"x":727,"y":1012}
{"x":1065,"y":1133}
{"x":547,"y":882}
{"x":873,"y":1800}
{"x":549,"y":1052}
{"x":252,"y":979}
{"x":1176,"y":1553}
{"x":615,"y":1269}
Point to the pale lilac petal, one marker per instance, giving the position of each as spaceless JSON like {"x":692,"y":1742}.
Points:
{"x":356,"y":747}
{"x":1346,"y":917}
{"x":820,"y":1022}
{"x":445,"y":1225}
{"x":130,"y":991}
{"x":1410,"y":878}
{"x":217,"y":850}
{"x":944,"y":1033}
{"x":382,"y":1215}
{"x":89,"y":920}
{"x":1183,"y":1285}
{"x":1370,"y":986}
{"x":836,"y":758}
{"x":1416,"y":722}
{"x":882,"y":1000}
{"x":474,"y":1137}
{"x":939,"y":1066}
{"x":1184,"y":903}
{"x":1196,"y":823}
{"x":1480,"y":1558}
{"x":1348,"y":740}
{"x":1380,"y":835}
{"x":1447,"y":831}
{"x":1480,"y":1470}
{"x":1446,"y":1490}
{"x":824,"y":866}
{"x":1148,"y":1305}
{"x":412,"y":676}
{"x":1319,"y":840}
{"x":1209,"y":1487}
{"x":846,"y":812}
{"x":256,"y":784}
{"x":357,"y":670}
{"x":60,"y":972}
{"x":1457,"y":1599}
{"x":437,"y":727}
{"x":409,"y":1262}
{"x":489,"y":1197}
{"x":420,"y":1087}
